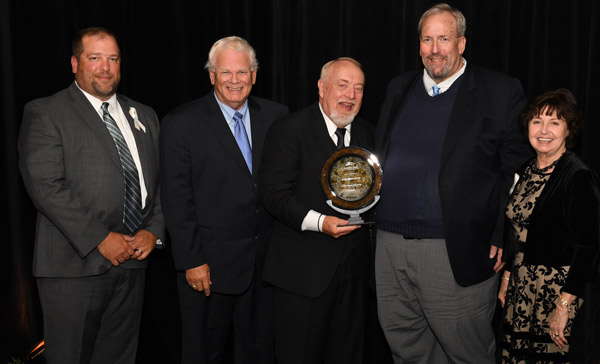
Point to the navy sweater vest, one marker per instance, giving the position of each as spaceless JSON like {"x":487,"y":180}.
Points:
{"x":410,"y":200}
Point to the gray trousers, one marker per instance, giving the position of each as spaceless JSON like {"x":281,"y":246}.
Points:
{"x":93,"y":320}
{"x":425,"y":315}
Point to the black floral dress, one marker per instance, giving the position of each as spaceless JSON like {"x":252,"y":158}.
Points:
{"x":532,"y":290}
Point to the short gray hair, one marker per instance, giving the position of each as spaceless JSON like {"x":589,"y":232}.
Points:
{"x":233,"y":42}
{"x":461,"y":22}
{"x":327,"y":66}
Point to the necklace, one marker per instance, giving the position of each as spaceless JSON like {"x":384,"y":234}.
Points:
{"x":535,"y":169}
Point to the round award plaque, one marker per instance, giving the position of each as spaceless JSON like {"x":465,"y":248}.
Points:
{"x":351,"y":178}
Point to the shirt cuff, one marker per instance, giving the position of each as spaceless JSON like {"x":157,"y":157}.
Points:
{"x":313,"y":221}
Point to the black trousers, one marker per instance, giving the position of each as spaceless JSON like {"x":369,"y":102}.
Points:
{"x":209,"y":323}
{"x":326,"y":329}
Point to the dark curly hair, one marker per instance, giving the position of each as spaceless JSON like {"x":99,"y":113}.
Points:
{"x":560,"y":101}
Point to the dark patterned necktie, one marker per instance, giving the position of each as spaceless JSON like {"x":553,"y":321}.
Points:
{"x":340,"y":132}
{"x":132,"y":212}
{"x":241,"y":137}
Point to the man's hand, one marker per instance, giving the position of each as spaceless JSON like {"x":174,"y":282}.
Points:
{"x":499,"y":263}
{"x":199,"y":278}
{"x":335,"y":227}
{"x":143,"y":243}
{"x":116,"y":248}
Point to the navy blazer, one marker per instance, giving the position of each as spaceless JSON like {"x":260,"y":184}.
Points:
{"x":210,"y":199}
{"x":482,"y":150}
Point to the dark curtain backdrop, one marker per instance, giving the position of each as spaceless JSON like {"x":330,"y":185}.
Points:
{"x":546,"y":44}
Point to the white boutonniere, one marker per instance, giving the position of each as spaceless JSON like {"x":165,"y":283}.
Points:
{"x":136,"y":121}
{"x":516,"y":179}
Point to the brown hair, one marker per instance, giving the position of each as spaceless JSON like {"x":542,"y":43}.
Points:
{"x":77,"y":45}
{"x":560,"y":101}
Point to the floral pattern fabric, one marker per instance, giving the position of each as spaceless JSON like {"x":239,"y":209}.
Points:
{"x":532,"y":290}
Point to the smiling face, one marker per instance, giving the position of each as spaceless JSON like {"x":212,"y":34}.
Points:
{"x":441,"y":48}
{"x":341,"y":92}
{"x":98,"y":68}
{"x":547,"y":135}
{"x":233,"y":77}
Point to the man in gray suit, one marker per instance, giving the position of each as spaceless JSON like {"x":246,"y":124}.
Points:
{"x":89,"y":160}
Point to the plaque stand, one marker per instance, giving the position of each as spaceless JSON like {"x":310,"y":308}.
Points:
{"x":355,"y":218}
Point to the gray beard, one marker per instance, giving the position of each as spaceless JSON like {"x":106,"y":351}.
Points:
{"x":434,"y":77}
{"x":341,"y":120}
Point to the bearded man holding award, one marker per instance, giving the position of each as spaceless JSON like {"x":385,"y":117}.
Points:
{"x":317,"y":263}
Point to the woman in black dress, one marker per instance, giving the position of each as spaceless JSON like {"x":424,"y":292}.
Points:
{"x":552,"y":231}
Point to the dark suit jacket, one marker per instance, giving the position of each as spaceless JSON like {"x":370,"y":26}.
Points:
{"x":296,"y":149}
{"x":482,"y":150}
{"x":211,"y":201}
{"x":72,"y":171}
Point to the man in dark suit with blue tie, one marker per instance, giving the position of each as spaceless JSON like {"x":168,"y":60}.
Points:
{"x":210,"y":156}
{"x":89,"y":160}
{"x":318,"y":264}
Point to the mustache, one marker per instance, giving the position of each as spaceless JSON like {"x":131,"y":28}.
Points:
{"x":437,"y":55}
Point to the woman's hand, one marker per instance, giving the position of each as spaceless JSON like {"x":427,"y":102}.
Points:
{"x":559,"y":318}
{"x":558,"y":323}
{"x":503,"y":287}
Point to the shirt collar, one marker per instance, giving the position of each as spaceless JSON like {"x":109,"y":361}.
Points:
{"x":97,"y":103}
{"x":228,"y":111}
{"x":428,"y":82}
{"x":331,"y":127}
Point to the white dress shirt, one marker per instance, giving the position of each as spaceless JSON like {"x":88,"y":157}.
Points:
{"x":314,"y":220}
{"x":116,"y":112}
{"x":428,"y":82}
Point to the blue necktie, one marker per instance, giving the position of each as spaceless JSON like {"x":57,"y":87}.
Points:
{"x":242,"y":139}
{"x":436,"y":90}
{"x":132,"y":209}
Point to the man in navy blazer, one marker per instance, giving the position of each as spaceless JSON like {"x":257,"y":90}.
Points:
{"x":210,"y":156}
{"x":88,"y":260}
{"x":449,"y":142}
{"x":318,"y":265}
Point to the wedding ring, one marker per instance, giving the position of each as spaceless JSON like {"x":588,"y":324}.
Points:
{"x":193,"y":286}
{"x":555,"y":335}
{"x":138,"y":250}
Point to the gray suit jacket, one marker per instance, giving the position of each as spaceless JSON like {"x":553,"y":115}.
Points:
{"x":73,"y":174}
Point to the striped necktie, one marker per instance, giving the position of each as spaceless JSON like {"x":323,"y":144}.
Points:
{"x":132,"y":209}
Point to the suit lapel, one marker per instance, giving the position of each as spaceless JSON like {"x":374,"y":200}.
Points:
{"x":82,"y":107}
{"x":259,"y":130}
{"x":218,"y":124}
{"x":355,"y":135}
{"x":463,"y":105}
{"x":323,"y":139}
{"x":398,"y":103}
